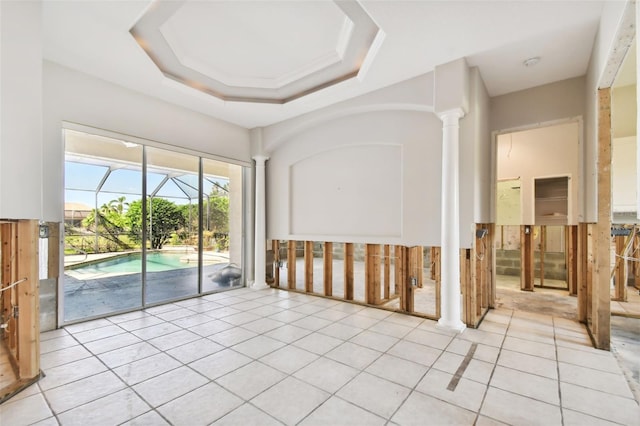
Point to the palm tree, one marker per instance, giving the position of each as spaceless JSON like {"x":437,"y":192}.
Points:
{"x":118,"y":205}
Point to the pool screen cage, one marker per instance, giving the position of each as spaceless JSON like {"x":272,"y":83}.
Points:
{"x":101,"y":194}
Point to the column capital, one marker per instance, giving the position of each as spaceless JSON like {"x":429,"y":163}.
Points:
{"x":260,"y":159}
{"x":451,"y":116}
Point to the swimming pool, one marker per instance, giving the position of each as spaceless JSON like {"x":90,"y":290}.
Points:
{"x":132,"y":263}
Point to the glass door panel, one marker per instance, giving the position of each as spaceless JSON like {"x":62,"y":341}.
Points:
{"x":103,"y":267}
{"x":221,"y":225}
{"x":172,"y":225}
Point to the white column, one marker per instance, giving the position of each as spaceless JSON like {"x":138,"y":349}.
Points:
{"x":261,"y":231}
{"x":450,"y":223}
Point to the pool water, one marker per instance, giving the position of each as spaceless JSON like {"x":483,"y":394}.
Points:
{"x":156,"y":262}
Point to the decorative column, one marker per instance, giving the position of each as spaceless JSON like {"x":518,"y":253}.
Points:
{"x":450,"y":222}
{"x":260,"y":282}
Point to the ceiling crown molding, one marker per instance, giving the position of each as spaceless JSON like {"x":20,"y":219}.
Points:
{"x":264,"y":52}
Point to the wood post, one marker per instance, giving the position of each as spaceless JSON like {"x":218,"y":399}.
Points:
{"x":28,"y":300}
{"x":491,"y":264}
{"x":542,"y":251}
{"x":291,"y":264}
{"x":348,"y":271}
{"x":308,"y":266}
{"x":275,"y":244}
{"x":467,"y":286}
{"x":372,"y":274}
{"x":526,"y":258}
{"x":328,"y":269}
{"x":387,"y":272}
{"x":9,"y":275}
{"x":601,"y":306}
{"x":399,"y":268}
{"x":435,"y":276}
{"x":636,"y":265}
{"x":53,"y":261}
{"x":405,"y":278}
{"x":571,"y":248}
{"x":620,"y":270}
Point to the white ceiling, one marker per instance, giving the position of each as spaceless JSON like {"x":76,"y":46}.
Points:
{"x":268,"y":44}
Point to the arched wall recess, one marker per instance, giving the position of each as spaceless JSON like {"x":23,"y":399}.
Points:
{"x":364,"y":177}
{"x":332,"y":191}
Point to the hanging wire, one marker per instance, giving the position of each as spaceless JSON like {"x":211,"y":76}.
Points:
{"x":12,"y":285}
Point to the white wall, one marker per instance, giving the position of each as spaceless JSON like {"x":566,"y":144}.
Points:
{"x":371,"y":177}
{"x":369,"y":169}
{"x":71,"y":96}
{"x":544,"y":104}
{"x":624,"y":111}
{"x":562,"y":99}
{"x":540,"y":153}
{"x":604,"y":44}
{"x":20,"y":110}
{"x":623,"y":174}
{"x":475,"y":155}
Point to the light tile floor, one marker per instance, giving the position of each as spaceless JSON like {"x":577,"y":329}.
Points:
{"x":273,"y":357}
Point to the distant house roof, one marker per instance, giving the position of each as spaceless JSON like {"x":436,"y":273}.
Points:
{"x":76,"y":210}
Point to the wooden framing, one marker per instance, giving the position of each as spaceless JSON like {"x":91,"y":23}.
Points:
{"x":404,"y":255}
{"x":585,"y":270}
{"x":542,"y":251}
{"x":620,"y":274}
{"x":420,"y":265}
{"x":372,"y":274}
{"x":635,"y":266}
{"x":348,"y":271}
{"x":476,"y":275}
{"x":20,"y":301}
{"x":387,"y":272}
{"x":9,"y":275}
{"x":467,"y":285}
{"x":435,"y":276}
{"x":308,"y":266}
{"x":571,"y":258}
{"x":328,"y":268}
{"x":526,"y":258}
{"x":28,"y":300}
{"x":600,"y":320}
{"x":275,"y":246}
{"x":398,"y":277}
{"x":291,"y":264}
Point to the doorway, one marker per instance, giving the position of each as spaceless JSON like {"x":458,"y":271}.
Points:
{"x":537,"y":174}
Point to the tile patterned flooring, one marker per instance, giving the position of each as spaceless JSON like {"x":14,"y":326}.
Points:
{"x":273,"y":357}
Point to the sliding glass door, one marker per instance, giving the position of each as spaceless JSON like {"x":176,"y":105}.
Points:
{"x":145,"y":225}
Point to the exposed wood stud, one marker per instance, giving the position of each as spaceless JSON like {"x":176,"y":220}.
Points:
{"x":275,"y":244}
{"x":491,"y":265}
{"x":291,"y":264}
{"x":328,"y":269}
{"x":571,"y":248}
{"x":636,"y":265}
{"x":420,"y":265}
{"x":526,"y":258}
{"x":372,"y":274}
{"x":387,"y":272}
{"x":435,"y":276}
{"x":601,"y":306}
{"x":620,"y":270}
{"x":542,"y":251}
{"x":53,"y":262}
{"x":28,"y":300}
{"x":466,"y":280}
{"x":308,"y":266}
{"x":397,"y":270}
{"x":348,"y":271}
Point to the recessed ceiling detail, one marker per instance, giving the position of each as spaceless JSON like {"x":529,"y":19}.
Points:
{"x":268,"y":52}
